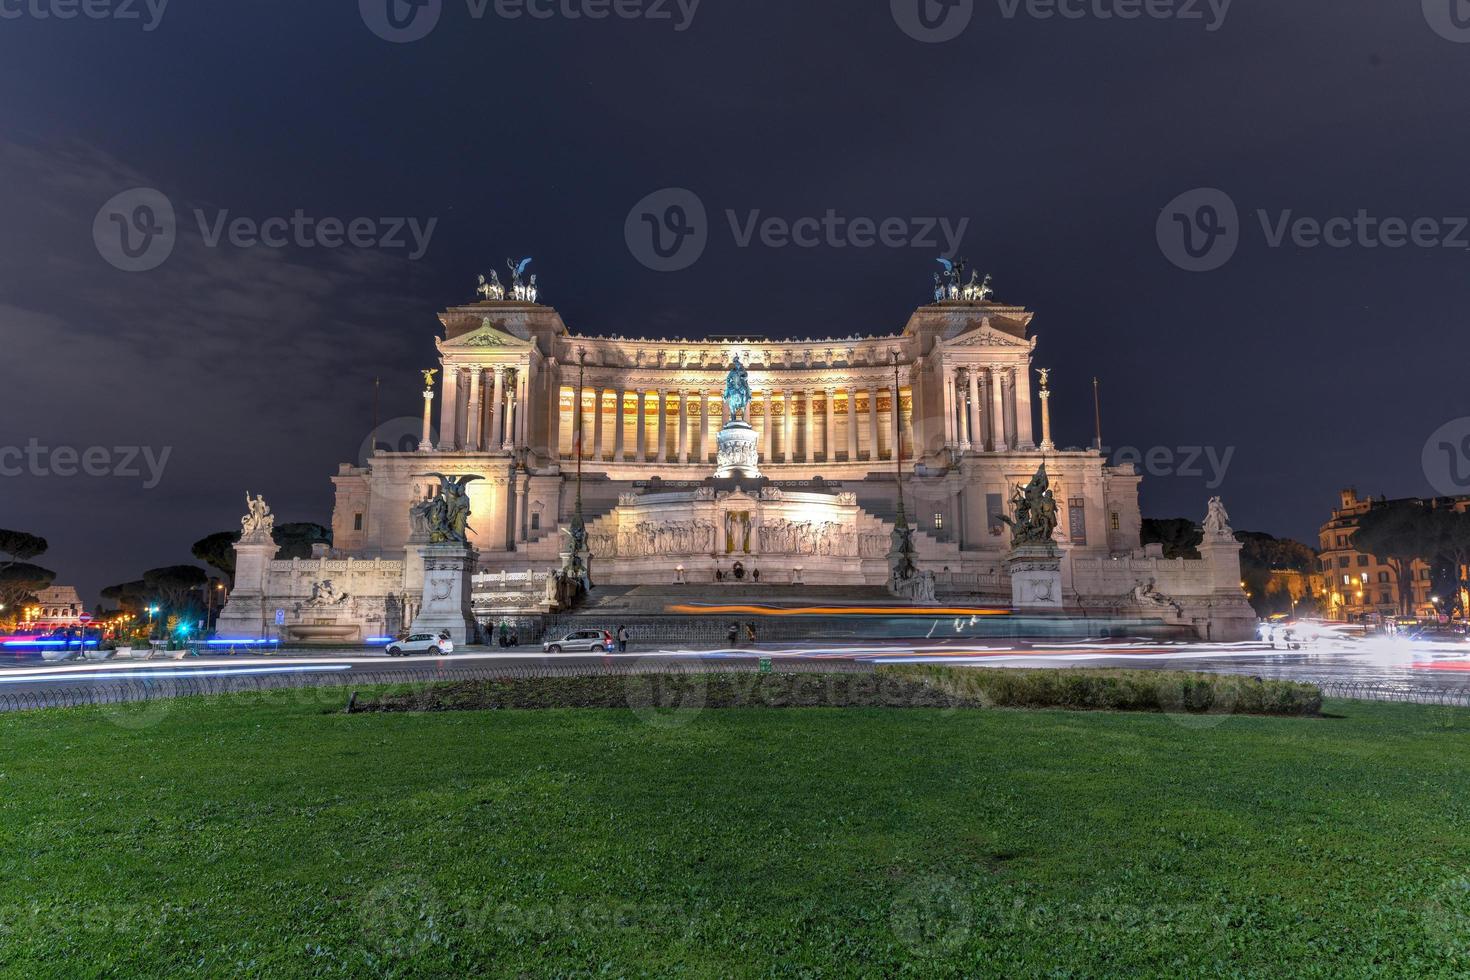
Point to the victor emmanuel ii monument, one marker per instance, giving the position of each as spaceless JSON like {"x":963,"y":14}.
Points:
{"x":910,"y":463}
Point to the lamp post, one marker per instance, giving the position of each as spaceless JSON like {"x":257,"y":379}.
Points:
{"x":578,"y":526}
{"x":901,"y":522}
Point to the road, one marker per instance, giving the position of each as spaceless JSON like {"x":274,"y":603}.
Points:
{"x":1391,"y":664}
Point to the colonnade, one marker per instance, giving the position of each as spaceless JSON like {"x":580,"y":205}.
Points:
{"x":794,"y":424}
{"x":987,"y":409}
{"x":484,"y":409}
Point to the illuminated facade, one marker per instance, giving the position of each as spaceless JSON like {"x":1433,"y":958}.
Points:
{"x":948,"y":411}
{"x":950,"y":402}
{"x":1361,"y":586}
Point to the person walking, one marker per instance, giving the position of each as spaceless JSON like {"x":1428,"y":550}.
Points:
{"x":733,"y":634}
{"x":622,"y":639}
{"x":750,"y":633}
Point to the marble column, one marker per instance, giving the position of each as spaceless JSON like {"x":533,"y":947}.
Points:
{"x":852,"y":426}
{"x":512,"y":410}
{"x":597,"y":395}
{"x":448,"y":420}
{"x":977,"y":434}
{"x":424,"y":444}
{"x":951,"y":436}
{"x":1025,"y":438}
{"x":809,"y":403}
{"x":998,"y":410}
{"x":662,"y":456}
{"x":769,"y":435}
{"x":1046,"y":444}
{"x":874,"y":454}
{"x":493,"y":440}
{"x":642,"y":424}
{"x":618,"y":426}
{"x":701,"y":448}
{"x":787,"y":456}
{"x":684,"y":426}
{"x":553,"y":418}
{"x":523,"y":405}
{"x":895,"y":414}
{"x":829,"y":440}
{"x":472,"y":422}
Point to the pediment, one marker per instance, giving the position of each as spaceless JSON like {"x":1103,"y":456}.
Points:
{"x":488,"y":335}
{"x":986,"y":335}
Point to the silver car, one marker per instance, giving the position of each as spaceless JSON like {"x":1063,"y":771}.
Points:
{"x":417,"y":643}
{"x":581,"y":641}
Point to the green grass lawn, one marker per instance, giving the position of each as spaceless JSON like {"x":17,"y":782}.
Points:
{"x":267,"y":836}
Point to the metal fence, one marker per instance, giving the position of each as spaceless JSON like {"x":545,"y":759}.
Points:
{"x":328,"y":689}
{"x":330,"y":686}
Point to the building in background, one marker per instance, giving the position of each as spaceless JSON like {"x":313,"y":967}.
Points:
{"x":55,"y":607}
{"x":1360,"y":586}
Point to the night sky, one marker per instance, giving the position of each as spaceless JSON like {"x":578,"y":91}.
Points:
{"x":1061,"y":141}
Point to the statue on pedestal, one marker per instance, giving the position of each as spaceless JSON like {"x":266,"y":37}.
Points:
{"x":1217,"y":521}
{"x":737,"y":390}
{"x":447,"y":514}
{"x":517,"y":288}
{"x":1035,"y":510}
{"x":258,"y":522}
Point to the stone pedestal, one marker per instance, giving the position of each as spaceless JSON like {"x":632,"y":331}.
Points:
{"x":1036,"y":577}
{"x":245,"y":615}
{"x":739,"y":451}
{"x":448,"y":569}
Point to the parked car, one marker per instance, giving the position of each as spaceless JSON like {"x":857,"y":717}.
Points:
{"x":581,"y":641}
{"x":417,"y":643}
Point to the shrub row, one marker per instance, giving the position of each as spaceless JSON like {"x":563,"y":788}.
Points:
{"x":1116,"y":690}
{"x":664,"y":690}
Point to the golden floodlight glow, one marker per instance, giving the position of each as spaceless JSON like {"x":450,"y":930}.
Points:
{"x":945,"y":611}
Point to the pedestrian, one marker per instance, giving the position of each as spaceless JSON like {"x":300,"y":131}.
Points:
{"x":504,"y":633}
{"x":750,"y":633}
{"x":515,"y":637}
{"x":733,"y":634}
{"x":622,"y":639}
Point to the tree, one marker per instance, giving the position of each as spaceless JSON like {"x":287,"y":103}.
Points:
{"x":131,"y":597}
{"x":1179,"y":536}
{"x":20,"y":546}
{"x":174,"y":586}
{"x":19,"y":583}
{"x":218,"y":551}
{"x":1400,"y":532}
{"x":295,"y":540}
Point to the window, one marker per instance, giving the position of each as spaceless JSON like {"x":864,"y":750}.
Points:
{"x":1342,"y":561}
{"x":938,"y":521}
{"x":1347,"y":580}
{"x":1383,"y":577}
{"x":1383,"y":598}
{"x":535,"y":521}
{"x":1362,"y":561}
{"x":1342,"y":541}
{"x":357,"y":522}
{"x":1113,"y":521}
